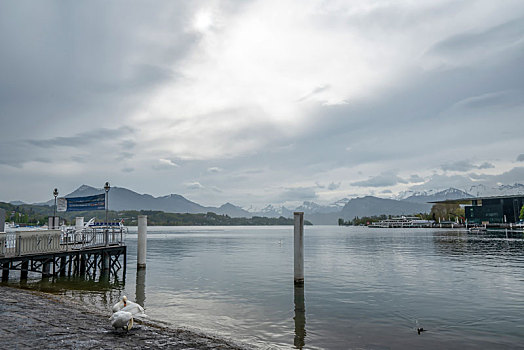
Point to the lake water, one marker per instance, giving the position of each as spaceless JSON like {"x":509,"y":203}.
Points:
{"x":364,"y":288}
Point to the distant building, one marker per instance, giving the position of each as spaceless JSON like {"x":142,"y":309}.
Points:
{"x":493,"y":210}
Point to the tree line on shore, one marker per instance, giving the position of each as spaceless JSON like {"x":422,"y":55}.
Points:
{"x":28,"y":214}
{"x":439,"y":211}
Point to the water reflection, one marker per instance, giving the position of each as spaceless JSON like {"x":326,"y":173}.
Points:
{"x":488,"y":245}
{"x":300,"y":317}
{"x":140,"y":293}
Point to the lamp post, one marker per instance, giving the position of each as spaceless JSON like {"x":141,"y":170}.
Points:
{"x":107,"y":188}
{"x":55,"y":193}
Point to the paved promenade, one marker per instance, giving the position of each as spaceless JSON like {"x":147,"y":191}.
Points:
{"x":34,"y":320}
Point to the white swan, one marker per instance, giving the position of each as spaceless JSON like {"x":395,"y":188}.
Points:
{"x":120,"y":305}
{"x":134,"y":308}
{"x":129,"y":306}
{"x":122,"y":319}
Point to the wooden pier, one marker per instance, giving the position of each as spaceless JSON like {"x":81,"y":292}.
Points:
{"x":88,"y":252}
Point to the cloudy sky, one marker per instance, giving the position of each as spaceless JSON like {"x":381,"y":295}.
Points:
{"x":258,"y":102}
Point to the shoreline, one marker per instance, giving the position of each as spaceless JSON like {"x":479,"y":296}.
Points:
{"x":33,"y":319}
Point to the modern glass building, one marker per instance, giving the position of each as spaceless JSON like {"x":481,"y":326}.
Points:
{"x":493,"y":210}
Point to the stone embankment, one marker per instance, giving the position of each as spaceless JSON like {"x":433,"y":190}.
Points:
{"x":32,"y":320}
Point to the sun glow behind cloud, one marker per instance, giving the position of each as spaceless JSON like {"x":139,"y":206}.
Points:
{"x":266,"y":66}
{"x":203,"y":21}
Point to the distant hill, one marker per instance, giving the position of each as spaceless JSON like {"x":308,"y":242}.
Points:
{"x":369,"y":206}
{"x":231,"y":210}
{"x":323,"y":218}
{"x":123,"y":199}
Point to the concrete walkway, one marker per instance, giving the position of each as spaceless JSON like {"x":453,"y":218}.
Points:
{"x":32,"y":320}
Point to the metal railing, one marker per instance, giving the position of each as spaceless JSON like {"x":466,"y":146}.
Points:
{"x":20,"y":243}
{"x":93,"y":237}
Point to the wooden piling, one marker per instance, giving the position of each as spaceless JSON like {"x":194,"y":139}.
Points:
{"x":105,"y":263}
{"x":299,"y":247}
{"x":46,"y":268}
{"x":82,"y":264}
{"x":300,"y":317}
{"x":63,"y":264}
{"x":25,"y":269}
{"x":70,"y":264}
{"x":5,"y":272}
{"x":142,"y":241}
{"x":140,"y":291}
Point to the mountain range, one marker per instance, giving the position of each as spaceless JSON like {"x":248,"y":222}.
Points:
{"x":425,"y":197}
{"x":406,"y":203}
{"x":125,"y":199}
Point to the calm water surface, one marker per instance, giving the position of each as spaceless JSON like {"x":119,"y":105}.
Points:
{"x":364,"y":288}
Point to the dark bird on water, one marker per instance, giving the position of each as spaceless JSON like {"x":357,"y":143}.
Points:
{"x":420,"y":330}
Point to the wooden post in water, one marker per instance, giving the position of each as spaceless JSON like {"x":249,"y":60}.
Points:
{"x":63,"y":266}
{"x":142,"y":241}
{"x":300,"y":317}
{"x":82,"y":264}
{"x":140,"y":286}
{"x":46,"y":268}
{"x":24,"y":270}
{"x":105,"y":263}
{"x":299,"y":247}
{"x":5,"y":271}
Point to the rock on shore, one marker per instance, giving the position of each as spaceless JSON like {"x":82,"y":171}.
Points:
{"x":30,"y":319}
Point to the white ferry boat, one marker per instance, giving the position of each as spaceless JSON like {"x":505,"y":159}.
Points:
{"x":403,"y":221}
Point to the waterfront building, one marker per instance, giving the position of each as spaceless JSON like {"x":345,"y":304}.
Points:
{"x":490,"y":210}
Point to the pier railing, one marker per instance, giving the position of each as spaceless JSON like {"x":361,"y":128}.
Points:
{"x":93,"y":237}
{"x":22,"y":243}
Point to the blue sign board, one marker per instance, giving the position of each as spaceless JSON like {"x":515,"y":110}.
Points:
{"x":97,"y":202}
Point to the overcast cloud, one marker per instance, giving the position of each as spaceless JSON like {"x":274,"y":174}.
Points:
{"x":258,"y":102}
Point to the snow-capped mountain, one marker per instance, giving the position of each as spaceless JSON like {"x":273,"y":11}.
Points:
{"x":307,"y":207}
{"x":431,"y":196}
{"x":481,"y":190}
{"x":477,"y":190}
{"x":516,"y":188}
{"x":340,"y":203}
{"x":312,"y":207}
{"x":412,"y":193}
{"x":272,"y":211}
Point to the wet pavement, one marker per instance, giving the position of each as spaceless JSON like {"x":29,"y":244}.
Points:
{"x":31,"y":320}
